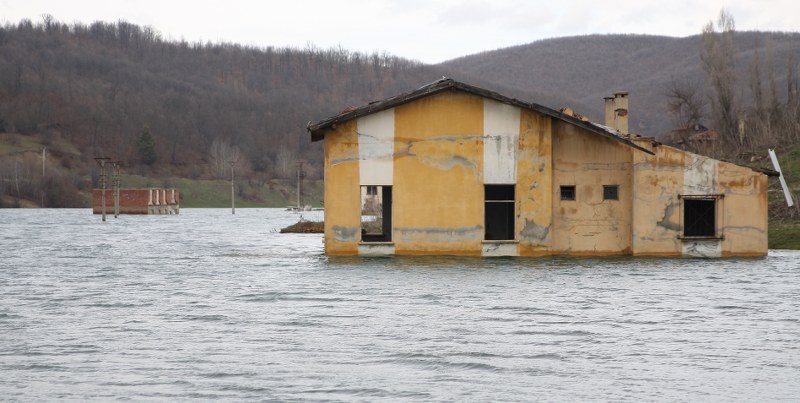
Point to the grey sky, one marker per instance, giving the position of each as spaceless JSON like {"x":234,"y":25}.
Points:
{"x":430,"y":31}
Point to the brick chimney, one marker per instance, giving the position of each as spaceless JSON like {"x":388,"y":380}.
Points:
{"x":621,"y":111}
{"x":609,"y":114}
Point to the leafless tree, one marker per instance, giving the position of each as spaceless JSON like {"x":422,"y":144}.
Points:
{"x":222,"y":154}
{"x":685,"y":103}
{"x":717,"y":57}
{"x":284,"y":162}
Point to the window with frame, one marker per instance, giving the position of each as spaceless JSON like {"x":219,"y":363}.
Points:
{"x":610,"y":192}
{"x":376,"y":213}
{"x":700,"y":216}
{"x":568,"y":192}
{"x":499,"y":212}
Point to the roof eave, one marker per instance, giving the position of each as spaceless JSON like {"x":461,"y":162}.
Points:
{"x":319,"y":129}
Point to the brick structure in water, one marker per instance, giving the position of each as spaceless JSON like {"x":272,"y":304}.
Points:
{"x":138,"y":201}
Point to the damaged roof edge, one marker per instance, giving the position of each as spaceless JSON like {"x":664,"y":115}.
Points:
{"x":318,"y":129}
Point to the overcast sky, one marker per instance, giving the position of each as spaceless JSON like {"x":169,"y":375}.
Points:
{"x":430,"y":31}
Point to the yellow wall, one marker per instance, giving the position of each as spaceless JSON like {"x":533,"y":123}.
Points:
{"x":438,"y":185}
{"x":745,"y":210}
{"x":342,"y":191}
{"x":535,"y":185}
{"x":437,"y":180}
{"x":657,"y":216}
{"x":658,"y":180}
{"x":590,"y":225}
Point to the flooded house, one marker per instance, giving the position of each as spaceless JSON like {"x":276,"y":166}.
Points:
{"x":138,"y":201}
{"x":454,"y":169}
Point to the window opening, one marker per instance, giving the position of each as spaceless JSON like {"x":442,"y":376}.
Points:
{"x":499,"y":212}
{"x":700,"y":217}
{"x":376,"y":213}
{"x":568,"y":192}
{"x":610,"y":192}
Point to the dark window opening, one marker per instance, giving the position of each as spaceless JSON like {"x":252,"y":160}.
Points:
{"x":376,"y":213}
{"x":499,"y":212}
{"x":568,"y":192}
{"x":610,"y":192}
{"x":699,"y":217}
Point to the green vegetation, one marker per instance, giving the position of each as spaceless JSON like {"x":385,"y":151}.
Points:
{"x":146,"y":145}
{"x":784,"y":221}
{"x":784,"y":235}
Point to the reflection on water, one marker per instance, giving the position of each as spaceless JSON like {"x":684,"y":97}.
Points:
{"x":211,"y":305}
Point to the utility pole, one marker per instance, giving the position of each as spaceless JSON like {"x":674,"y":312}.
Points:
{"x":43,"y":184}
{"x":117,"y":165}
{"x":300,"y":175}
{"x":102,"y":162}
{"x":233,"y":204}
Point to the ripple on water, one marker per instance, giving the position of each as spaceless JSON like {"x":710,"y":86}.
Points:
{"x":206,"y":305}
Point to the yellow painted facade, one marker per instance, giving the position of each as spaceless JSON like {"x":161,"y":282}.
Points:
{"x":440,"y":153}
{"x":438,"y":186}
{"x":590,"y":225}
{"x":342,"y":191}
{"x":534,"y":193}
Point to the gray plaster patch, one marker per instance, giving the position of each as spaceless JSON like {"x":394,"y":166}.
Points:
{"x":535,"y":232}
{"x":439,"y":235}
{"x":345,"y":234}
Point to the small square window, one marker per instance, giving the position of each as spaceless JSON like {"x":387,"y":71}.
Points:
{"x":568,"y":192}
{"x":610,"y":192}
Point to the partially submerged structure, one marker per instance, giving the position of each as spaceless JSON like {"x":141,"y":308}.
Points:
{"x":461,"y":170}
{"x":138,"y":201}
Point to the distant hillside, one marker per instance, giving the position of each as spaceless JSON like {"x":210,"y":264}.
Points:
{"x":584,"y":69}
{"x":99,"y":86}
{"x":83,"y":91}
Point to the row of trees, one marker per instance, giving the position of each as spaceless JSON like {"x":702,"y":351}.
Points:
{"x":102,"y":85}
{"x":749,"y":121}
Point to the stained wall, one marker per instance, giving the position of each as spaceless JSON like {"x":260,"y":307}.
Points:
{"x":438,"y":152}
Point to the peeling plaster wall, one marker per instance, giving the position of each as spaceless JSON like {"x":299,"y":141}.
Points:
{"x":438,"y":152}
{"x":535,"y":185}
{"x":744,"y":215}
{"x":438,"y":175}
{"x":376,"y":148}
{"x":501,"y":135}
{"x":658,"y":179}
{"x":590,"y":225}
{"x":342,"y":191}
{"x":741,"y":212}
{"x":699,"y":178}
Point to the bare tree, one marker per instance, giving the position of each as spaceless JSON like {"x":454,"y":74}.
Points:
{"x":718,"y":63}
{"x":284,"y":161}
{"x":685,"y":104}
{"x":222,"y":154}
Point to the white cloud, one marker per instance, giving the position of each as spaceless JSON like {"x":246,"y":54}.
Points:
{"x":431,"y":31}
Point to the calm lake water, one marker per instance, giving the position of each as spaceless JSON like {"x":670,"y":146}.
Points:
{"x":208,"y":305}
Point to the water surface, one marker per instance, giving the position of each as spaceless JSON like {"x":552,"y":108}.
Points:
{"x":209,"y":305}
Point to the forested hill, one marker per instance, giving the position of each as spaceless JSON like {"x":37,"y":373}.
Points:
{"x":99,"y":87}
{"x":584,"y":69}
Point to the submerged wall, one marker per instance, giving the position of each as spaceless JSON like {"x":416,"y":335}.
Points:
{"x":590,"y":225}
{"x":662,"y":182}
{"x":138,"y":201}
{"x":439,"y":152}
